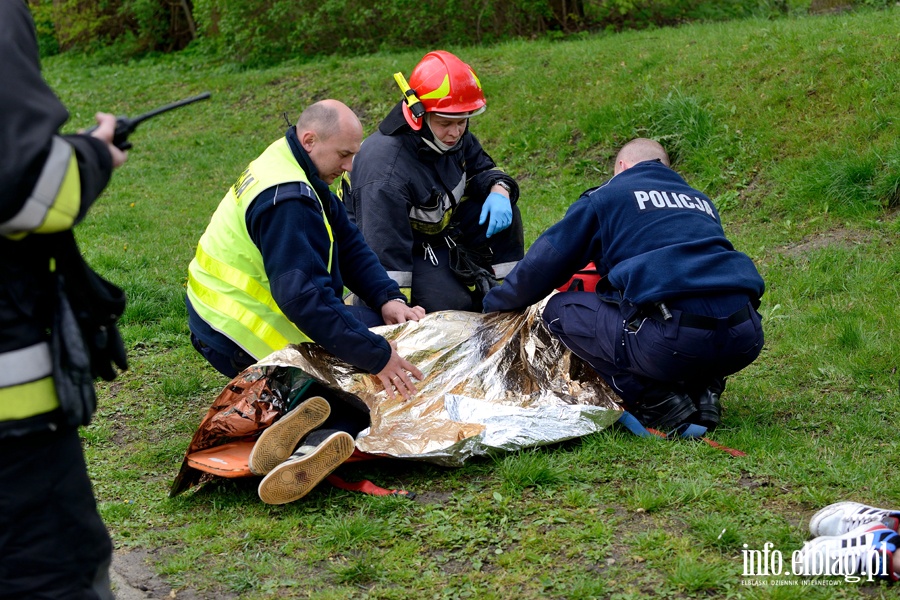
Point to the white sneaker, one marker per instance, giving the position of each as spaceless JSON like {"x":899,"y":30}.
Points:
{"x":299,"y":474}
{"x":277,"y":442}
{"x":867,"y":551}
{"x":841,"y":517}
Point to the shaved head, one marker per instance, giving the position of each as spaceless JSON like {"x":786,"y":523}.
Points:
{"x":639,"y":150}
{"x":331,"y":134}
{"x":327,"y":118}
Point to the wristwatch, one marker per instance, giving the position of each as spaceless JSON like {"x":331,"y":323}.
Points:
{"x":504,"y":185}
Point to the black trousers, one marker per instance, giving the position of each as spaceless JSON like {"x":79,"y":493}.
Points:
{"x":434,"y":284}
{"x":643,"y":360}
{"x":53,"y":544}
{"x":348,"y":413}
{"x":238,"y":360}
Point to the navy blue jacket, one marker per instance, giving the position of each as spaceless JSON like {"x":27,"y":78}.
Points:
{"x":652,"y":236}
{"x":284,"y":222}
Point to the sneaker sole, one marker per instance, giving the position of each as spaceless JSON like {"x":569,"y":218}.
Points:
{"x":279,"y":440}
{"x":293,"y":479}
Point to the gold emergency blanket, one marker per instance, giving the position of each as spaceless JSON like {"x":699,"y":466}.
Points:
{"x":494,"y":382}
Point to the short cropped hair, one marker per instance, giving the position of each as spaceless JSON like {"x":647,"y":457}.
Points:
{"x":321,"y":118}
{"x":641,"y":149}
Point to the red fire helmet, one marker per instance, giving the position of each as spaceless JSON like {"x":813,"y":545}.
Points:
{"x":447,"y":87}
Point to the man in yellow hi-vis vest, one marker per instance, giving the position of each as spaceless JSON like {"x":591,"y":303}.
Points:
{"x":53,"y":543}
{"x":271,"y":267}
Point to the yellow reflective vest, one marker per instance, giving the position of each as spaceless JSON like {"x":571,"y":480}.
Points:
{"x":227,"y":282}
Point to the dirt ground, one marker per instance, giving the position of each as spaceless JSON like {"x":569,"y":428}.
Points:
{"x":133,"y":579}
{"x":836,"y":237}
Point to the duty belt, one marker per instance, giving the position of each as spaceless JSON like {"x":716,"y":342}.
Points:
{"x":710,"y":323}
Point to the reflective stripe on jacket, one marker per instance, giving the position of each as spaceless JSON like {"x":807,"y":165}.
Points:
{"x":227,"y":281}
{"x":55,"y":199}
{"x":26,"y":385}
{"x":26,"y":388}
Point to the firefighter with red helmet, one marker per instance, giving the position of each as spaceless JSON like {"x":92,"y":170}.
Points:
{"x":431,"y":203}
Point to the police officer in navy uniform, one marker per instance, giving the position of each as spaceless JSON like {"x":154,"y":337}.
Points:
{"x":676,"y":310}
{"x":53,"y":543}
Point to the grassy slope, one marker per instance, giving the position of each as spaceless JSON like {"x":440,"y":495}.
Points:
{"x":791,"y":125}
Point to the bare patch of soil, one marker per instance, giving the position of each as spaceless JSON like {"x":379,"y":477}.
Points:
{"x":433,"y":497}
{"x":838,"y":237}
{"x":134,"y":579}
{"x":843,"y":237}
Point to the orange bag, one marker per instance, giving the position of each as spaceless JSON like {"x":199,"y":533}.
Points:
{"x":584,"y":280}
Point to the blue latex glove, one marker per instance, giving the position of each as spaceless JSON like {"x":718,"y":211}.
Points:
{"x":497,"y":207}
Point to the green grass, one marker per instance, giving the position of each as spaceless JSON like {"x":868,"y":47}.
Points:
{"x":791,"y":127}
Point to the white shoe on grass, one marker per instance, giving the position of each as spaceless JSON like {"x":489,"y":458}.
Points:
{"x":841,"y":517}
{"x":865,"y":552}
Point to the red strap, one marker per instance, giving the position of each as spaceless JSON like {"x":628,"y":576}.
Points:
{"x":713,"y":444}
{"x":366,"y":487}
{"x":657,"y":432}
{"x":730,"y":451}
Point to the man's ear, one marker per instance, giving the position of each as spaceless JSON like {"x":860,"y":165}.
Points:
{"x":307,"y":139}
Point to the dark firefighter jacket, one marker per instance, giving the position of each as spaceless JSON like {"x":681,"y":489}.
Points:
{"x":404,"y":193}
{"x":47,"y":184}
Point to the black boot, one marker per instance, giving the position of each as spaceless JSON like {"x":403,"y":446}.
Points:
{"x":709,"y":406}
{"x":665,"y":413}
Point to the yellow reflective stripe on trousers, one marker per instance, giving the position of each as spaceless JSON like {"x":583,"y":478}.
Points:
{"x":55,"y":198}
{"x":27,"y":400}
{"x":403,"y":278}
{"x":501,"y":270}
